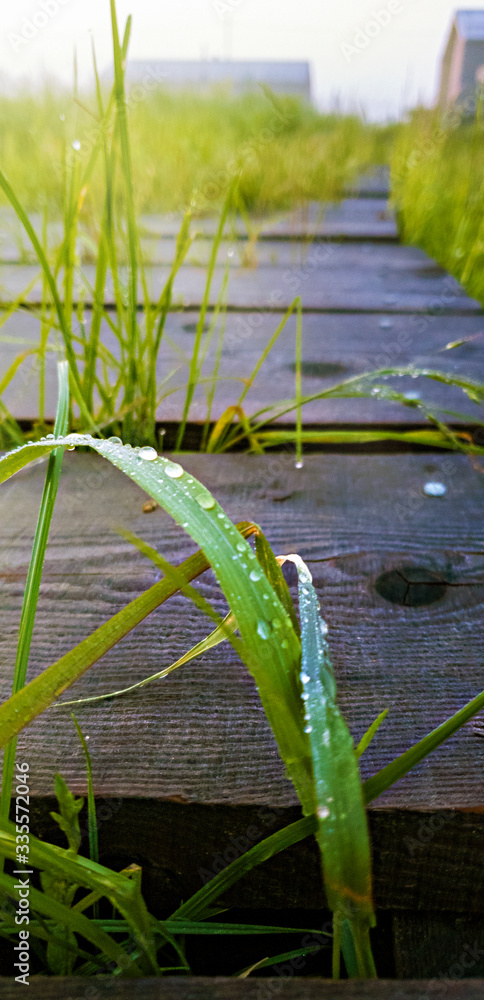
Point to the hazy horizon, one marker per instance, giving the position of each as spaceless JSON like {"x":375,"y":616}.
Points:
{"x":374,"y":58}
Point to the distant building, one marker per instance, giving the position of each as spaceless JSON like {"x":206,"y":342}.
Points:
{"x":235,"y":76}
{"x":463,"y":62}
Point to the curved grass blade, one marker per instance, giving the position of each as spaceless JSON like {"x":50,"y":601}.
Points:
{"x":124,"y":893}
{"x":214,"y":639}
{"x":201,"y":902}
{"x":76,"y":922}
{"x":399,"y":767}
{"x":342,"y":833}
{"x":370,"y":733}
{"x":267,"y":963}
{"x":35,"y":697}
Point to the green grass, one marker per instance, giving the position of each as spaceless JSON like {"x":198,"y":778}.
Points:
{"x":100,"y":190}
{"x":163,"y":152}
{"x":438,"y":189}
{"x":288,"y":656}
{"x":187,"y":148}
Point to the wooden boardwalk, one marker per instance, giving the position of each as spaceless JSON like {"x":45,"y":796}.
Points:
{"x":400,"y":575}
{"x":368,"y":302}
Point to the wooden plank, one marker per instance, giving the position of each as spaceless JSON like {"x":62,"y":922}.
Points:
{"x":352,"y":219}
{"x":336,"y":347}
{"x":445,"y":946}
{"x":172,"y":764}
{"x":373,"y":184}
{"x":188,"y":988}
{"x":343,"y":277}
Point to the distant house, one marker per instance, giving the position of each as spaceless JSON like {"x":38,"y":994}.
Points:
{"x":463,"y":62}
{"x":235,"y":76}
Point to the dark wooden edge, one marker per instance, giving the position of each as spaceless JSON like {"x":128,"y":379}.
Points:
{"x":187,"y":988}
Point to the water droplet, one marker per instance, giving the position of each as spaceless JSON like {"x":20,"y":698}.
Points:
{"x":305,"y":696}
{"x":148,"y":454}
{"x":263,"y":630}
{"x":434,"y":489}
{"x":323,"y":812}
{"x":308,"y":729}
{"x":412,"y":395}
{"x":255,"y":575}
{"x":276,"y":622}
{"x":173,"y":470}
{"x":114,"y":440}
{"x":386,"y":323}
{"x":305,"y":678}
{"x":324,"y":628}
{"x":62,"y":118}
{"x":230,"y":252}
{"x":240,"y":547}
{"x":284,"y":644}
{"x":76,"y":145}
{"x":299,"y":464}
{"x":205,"y":500}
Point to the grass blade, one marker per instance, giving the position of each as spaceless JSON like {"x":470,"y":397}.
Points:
{"x":370,"y":733}
{"x":214,"y":639}
{"x":342,"y":833}
{"x":91,"y":801}
{"x":20,"y":710}
{"x":32,"y":586}
{"x":61,"y":314}
{"x":75,"y":921}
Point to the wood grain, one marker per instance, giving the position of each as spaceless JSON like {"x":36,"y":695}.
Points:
{"x":352,"y":519}
{"x":341,"y":277}
{"x":334,"y":348}
{"x":192,"y":757}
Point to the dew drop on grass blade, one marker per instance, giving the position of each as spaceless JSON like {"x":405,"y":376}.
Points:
{"x":342,"y":831}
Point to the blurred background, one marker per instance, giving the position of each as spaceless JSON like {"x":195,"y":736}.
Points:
{"x":382,"y":74}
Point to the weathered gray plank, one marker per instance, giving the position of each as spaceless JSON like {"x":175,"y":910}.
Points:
{"x":192,"y":757}
{"x":347,"y":277}
{"x":373,"y":184}
{"x":352,"y":519}
{"x":182,"y":988}
{"x":334,"y":348}
{"x":352,"y":219}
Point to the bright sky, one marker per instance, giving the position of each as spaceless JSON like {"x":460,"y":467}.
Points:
{"x":378,"y":57}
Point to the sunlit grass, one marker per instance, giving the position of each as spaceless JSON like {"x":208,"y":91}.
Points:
{"x":438,"y":189}
{"x":188,"y":147}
